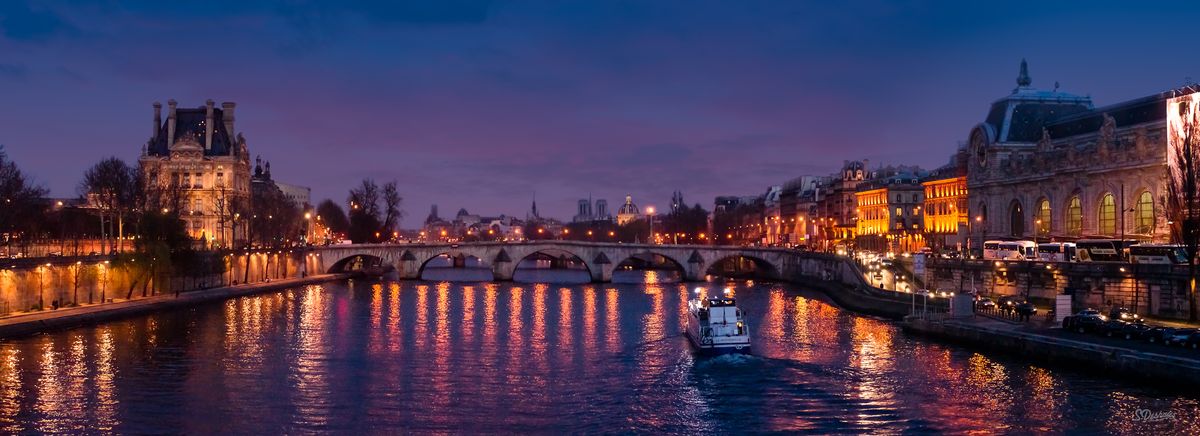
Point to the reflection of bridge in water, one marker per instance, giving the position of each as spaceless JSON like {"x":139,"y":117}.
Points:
{"x":598,"y":260}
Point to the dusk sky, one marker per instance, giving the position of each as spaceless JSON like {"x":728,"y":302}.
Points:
{"x":479,"y":104}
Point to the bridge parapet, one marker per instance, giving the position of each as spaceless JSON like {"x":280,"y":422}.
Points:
{"x":600,"y":258}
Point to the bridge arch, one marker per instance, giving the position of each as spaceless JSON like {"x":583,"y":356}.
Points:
{"x":649,"y":261}
{"x":359,"y":262}
{"x":742,"y":265}
{"x":533,"y":266}
{"x":455,"y":266}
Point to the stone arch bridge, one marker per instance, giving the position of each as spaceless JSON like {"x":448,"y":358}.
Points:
{"x":600,"y":259}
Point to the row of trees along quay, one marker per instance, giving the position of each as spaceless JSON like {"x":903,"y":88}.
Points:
{"x":137,"y":227}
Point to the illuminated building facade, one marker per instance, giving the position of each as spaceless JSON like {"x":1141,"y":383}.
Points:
{"x":836,"y":204}
{"x":197,"y":156}
{"x":945,"y":208}
{"x":889,"y":213}
{"x":1047,"y":165}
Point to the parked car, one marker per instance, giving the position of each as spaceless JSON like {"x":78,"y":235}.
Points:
{"x":1116,"y":328}
{"x":1008,"y":303}
{"x":1026,"y":308}
{"x":1159,"y":335}
{"x":1193,"y":341}
{"x":1087,"y":320}
{"x":1178,"y":337}
{"x":1134,"y":330}
{"x":1123,"y":314}
{"x":985,"y":303}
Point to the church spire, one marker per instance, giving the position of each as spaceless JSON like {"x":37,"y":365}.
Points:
{"x":1023,"y":79}
{"x":534,"y":209}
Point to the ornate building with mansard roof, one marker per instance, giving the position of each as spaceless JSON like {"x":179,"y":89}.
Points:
{"x":197,"y":163}
{"x":1047,"y":165}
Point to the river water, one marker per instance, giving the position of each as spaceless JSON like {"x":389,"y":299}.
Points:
{"x":373,"y":357}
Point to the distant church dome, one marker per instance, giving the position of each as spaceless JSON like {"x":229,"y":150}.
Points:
{"x":628,"y":208}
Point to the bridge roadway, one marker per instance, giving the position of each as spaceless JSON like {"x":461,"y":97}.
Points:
{"x":600,"y":258}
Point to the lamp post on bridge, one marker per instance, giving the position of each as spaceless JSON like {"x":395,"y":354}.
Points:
{"x":650,"y":214}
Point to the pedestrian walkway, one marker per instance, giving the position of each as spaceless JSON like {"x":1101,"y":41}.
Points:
{"x":33,"y":322}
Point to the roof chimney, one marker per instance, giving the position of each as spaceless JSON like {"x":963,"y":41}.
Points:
{"x":227,"y":116}
{"x":170,"y":123}
{"x":208,"y":124}
{"x":157,"y":121}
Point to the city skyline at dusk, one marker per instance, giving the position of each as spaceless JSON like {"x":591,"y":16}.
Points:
{"x":478,"y":105}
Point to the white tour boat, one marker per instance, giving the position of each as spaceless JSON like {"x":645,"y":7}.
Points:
{"x":716,"y":326}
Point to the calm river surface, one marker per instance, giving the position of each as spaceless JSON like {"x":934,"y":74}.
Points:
{"x":372,"y":357}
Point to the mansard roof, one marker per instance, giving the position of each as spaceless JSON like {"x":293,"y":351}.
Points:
{"x":1147,"y":109}
{"x":1021,"y":116}
{"x":190,"y":123}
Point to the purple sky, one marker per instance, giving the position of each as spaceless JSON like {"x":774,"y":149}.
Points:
{"x":478,"y":104}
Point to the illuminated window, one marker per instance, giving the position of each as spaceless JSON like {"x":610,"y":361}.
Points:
{"x":1074,"y":217}
{"x":899,"y":212}
{"x":1144,"y":213}
{"x":1043,"y":215}
{"x":1108,"y":215}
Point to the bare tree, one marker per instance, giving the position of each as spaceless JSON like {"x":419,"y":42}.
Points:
{"x":275,"y":219}
{"x":392,"y":213}
{"x":20,"y":200}
{"x":365,"y":216}
{"x":110,"y":185}
{"x":1184,"y":183}
{"x":331,"y":215}
{"x":229,"y":209}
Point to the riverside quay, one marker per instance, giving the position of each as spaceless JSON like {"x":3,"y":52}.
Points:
{"x":669,"y":217}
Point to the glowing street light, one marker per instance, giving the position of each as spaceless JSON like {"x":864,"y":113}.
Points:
{"x":650,"y":213}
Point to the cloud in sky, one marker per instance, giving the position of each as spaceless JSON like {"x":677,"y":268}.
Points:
{"x":478,"y":104}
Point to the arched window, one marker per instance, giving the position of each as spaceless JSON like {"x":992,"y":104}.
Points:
{"x":1108,"y":215}
{"x":1074,"y":216}
{"x":1016,"y":220}
{"x":1144,"y":213}
{"x":1043,"y":217}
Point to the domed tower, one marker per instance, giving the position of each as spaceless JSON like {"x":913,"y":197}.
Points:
{"x":628,"y":211}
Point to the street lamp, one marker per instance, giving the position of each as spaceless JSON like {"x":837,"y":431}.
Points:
{"x":307,"y":227}
{"x":650,"y":213}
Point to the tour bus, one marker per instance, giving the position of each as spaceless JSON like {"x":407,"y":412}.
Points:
{"x":1102,"y":250}
{"x":1017,"y":250}
{"x":1158,"y":254}
{"x":1056,"y":252}
{"x":990,"y":248}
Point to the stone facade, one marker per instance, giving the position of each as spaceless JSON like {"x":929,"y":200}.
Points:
{"x":1046,"y":165}
{"x":836,"y":205}
{"x":1159,"y":290}
{"x":945,"y":211}
{"x":197,"y":158}
{"x":888,"y":213}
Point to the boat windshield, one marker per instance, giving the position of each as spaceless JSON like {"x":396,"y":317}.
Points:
{"x":720,"y":302}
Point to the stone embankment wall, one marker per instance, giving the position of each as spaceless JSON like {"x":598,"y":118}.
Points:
{"x":1078,"y":354}
{"x":83,"y":280}
{"x":842,"y":280}
{"x":1159,"y":290}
